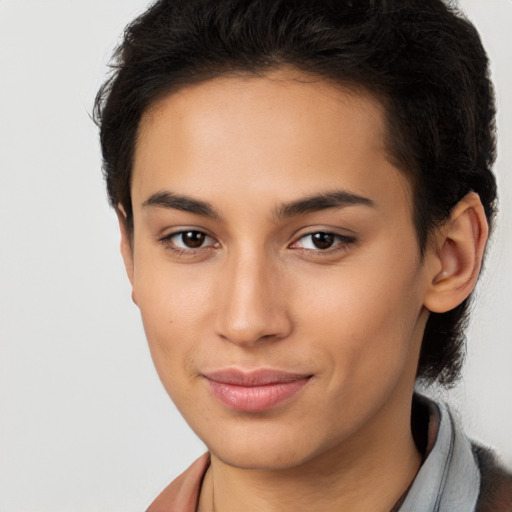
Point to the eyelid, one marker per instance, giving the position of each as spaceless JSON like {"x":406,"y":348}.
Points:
{"x":166,"y":240}
{"x":343,"y":241}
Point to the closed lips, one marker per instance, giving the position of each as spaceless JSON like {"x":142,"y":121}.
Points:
{"x":254,"y":391}
{"x":261,"y":377}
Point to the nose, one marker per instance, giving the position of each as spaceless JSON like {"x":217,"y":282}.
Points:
{"x":252,"y":306}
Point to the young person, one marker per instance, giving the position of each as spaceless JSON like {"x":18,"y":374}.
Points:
{"x":304,"y":192}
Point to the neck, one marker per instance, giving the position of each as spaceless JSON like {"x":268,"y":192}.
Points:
{"x":369,"y":471}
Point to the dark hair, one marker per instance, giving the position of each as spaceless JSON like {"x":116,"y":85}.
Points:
{"x":421,"y":58}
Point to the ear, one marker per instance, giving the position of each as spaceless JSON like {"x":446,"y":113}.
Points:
{"x":456,"y":255}
{"x":126,"y":242}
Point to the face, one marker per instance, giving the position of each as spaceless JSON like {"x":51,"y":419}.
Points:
{"x":276,"y":267}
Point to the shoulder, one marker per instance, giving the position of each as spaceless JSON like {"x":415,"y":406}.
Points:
{"x":496,"y":482}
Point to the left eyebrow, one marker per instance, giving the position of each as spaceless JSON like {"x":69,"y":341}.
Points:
{"x":324,"y":201}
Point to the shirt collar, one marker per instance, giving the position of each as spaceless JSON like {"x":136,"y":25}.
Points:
{"x":449,"y":478}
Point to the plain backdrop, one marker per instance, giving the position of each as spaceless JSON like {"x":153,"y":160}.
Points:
{"x":84,"y":422}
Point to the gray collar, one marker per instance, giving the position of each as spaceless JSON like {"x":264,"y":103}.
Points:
{"x":449,"y":479}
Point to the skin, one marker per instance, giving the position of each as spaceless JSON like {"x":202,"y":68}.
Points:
{"x":257,"y":292}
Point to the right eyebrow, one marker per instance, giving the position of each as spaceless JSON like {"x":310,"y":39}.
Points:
{"x":167,"y":199}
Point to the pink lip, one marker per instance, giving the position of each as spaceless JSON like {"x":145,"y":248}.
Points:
{"x":254,"y":391}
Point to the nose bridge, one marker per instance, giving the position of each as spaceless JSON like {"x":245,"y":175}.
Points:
{"x":251,"y":305}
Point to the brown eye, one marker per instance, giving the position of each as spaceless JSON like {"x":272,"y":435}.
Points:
{"x":192,"y":239}
{"x":323,"y":240}
{"x":188,"y":240}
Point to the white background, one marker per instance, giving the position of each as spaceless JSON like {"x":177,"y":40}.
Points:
{"x":84,"y":422}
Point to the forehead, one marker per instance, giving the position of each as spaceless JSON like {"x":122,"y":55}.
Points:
{"x":302,"y":100}
{"x":283,"y":125}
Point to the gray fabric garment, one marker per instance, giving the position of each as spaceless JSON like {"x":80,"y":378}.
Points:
{"x":449,"y":479}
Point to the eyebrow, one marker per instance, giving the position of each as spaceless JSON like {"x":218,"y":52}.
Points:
{"x":166,"y":199}
{"x":324,"y":201}
{"x":310,"y":204}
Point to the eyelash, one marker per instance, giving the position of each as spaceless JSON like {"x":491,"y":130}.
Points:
{"x":168,"y":243}
{"x":340,"y":243}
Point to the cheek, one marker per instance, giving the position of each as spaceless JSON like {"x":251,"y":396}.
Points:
{"x":175,"y":309}
{"x":365,"y":319}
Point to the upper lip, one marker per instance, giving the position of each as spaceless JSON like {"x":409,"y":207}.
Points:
{"x":259,"y":377}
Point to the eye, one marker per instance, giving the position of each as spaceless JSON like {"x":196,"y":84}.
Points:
{"x":322,"y":241}
{"x":189,"y":240}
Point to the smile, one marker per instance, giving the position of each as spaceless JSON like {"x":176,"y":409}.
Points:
{"x":254,"y":391}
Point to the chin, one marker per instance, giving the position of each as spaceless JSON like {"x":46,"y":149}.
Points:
{"x":265,"y":459}
{"x":261,"y":448}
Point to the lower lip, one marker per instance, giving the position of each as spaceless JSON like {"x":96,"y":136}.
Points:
{"x":255,"y":398}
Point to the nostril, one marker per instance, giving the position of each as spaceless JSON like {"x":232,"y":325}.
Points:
{"x":266,"y":326}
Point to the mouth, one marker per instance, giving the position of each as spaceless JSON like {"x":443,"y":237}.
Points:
{"x":254,"y":391}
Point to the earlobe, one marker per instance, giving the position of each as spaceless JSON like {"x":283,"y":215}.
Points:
{"x":458,"y":253}
{"x":126,"y":244}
